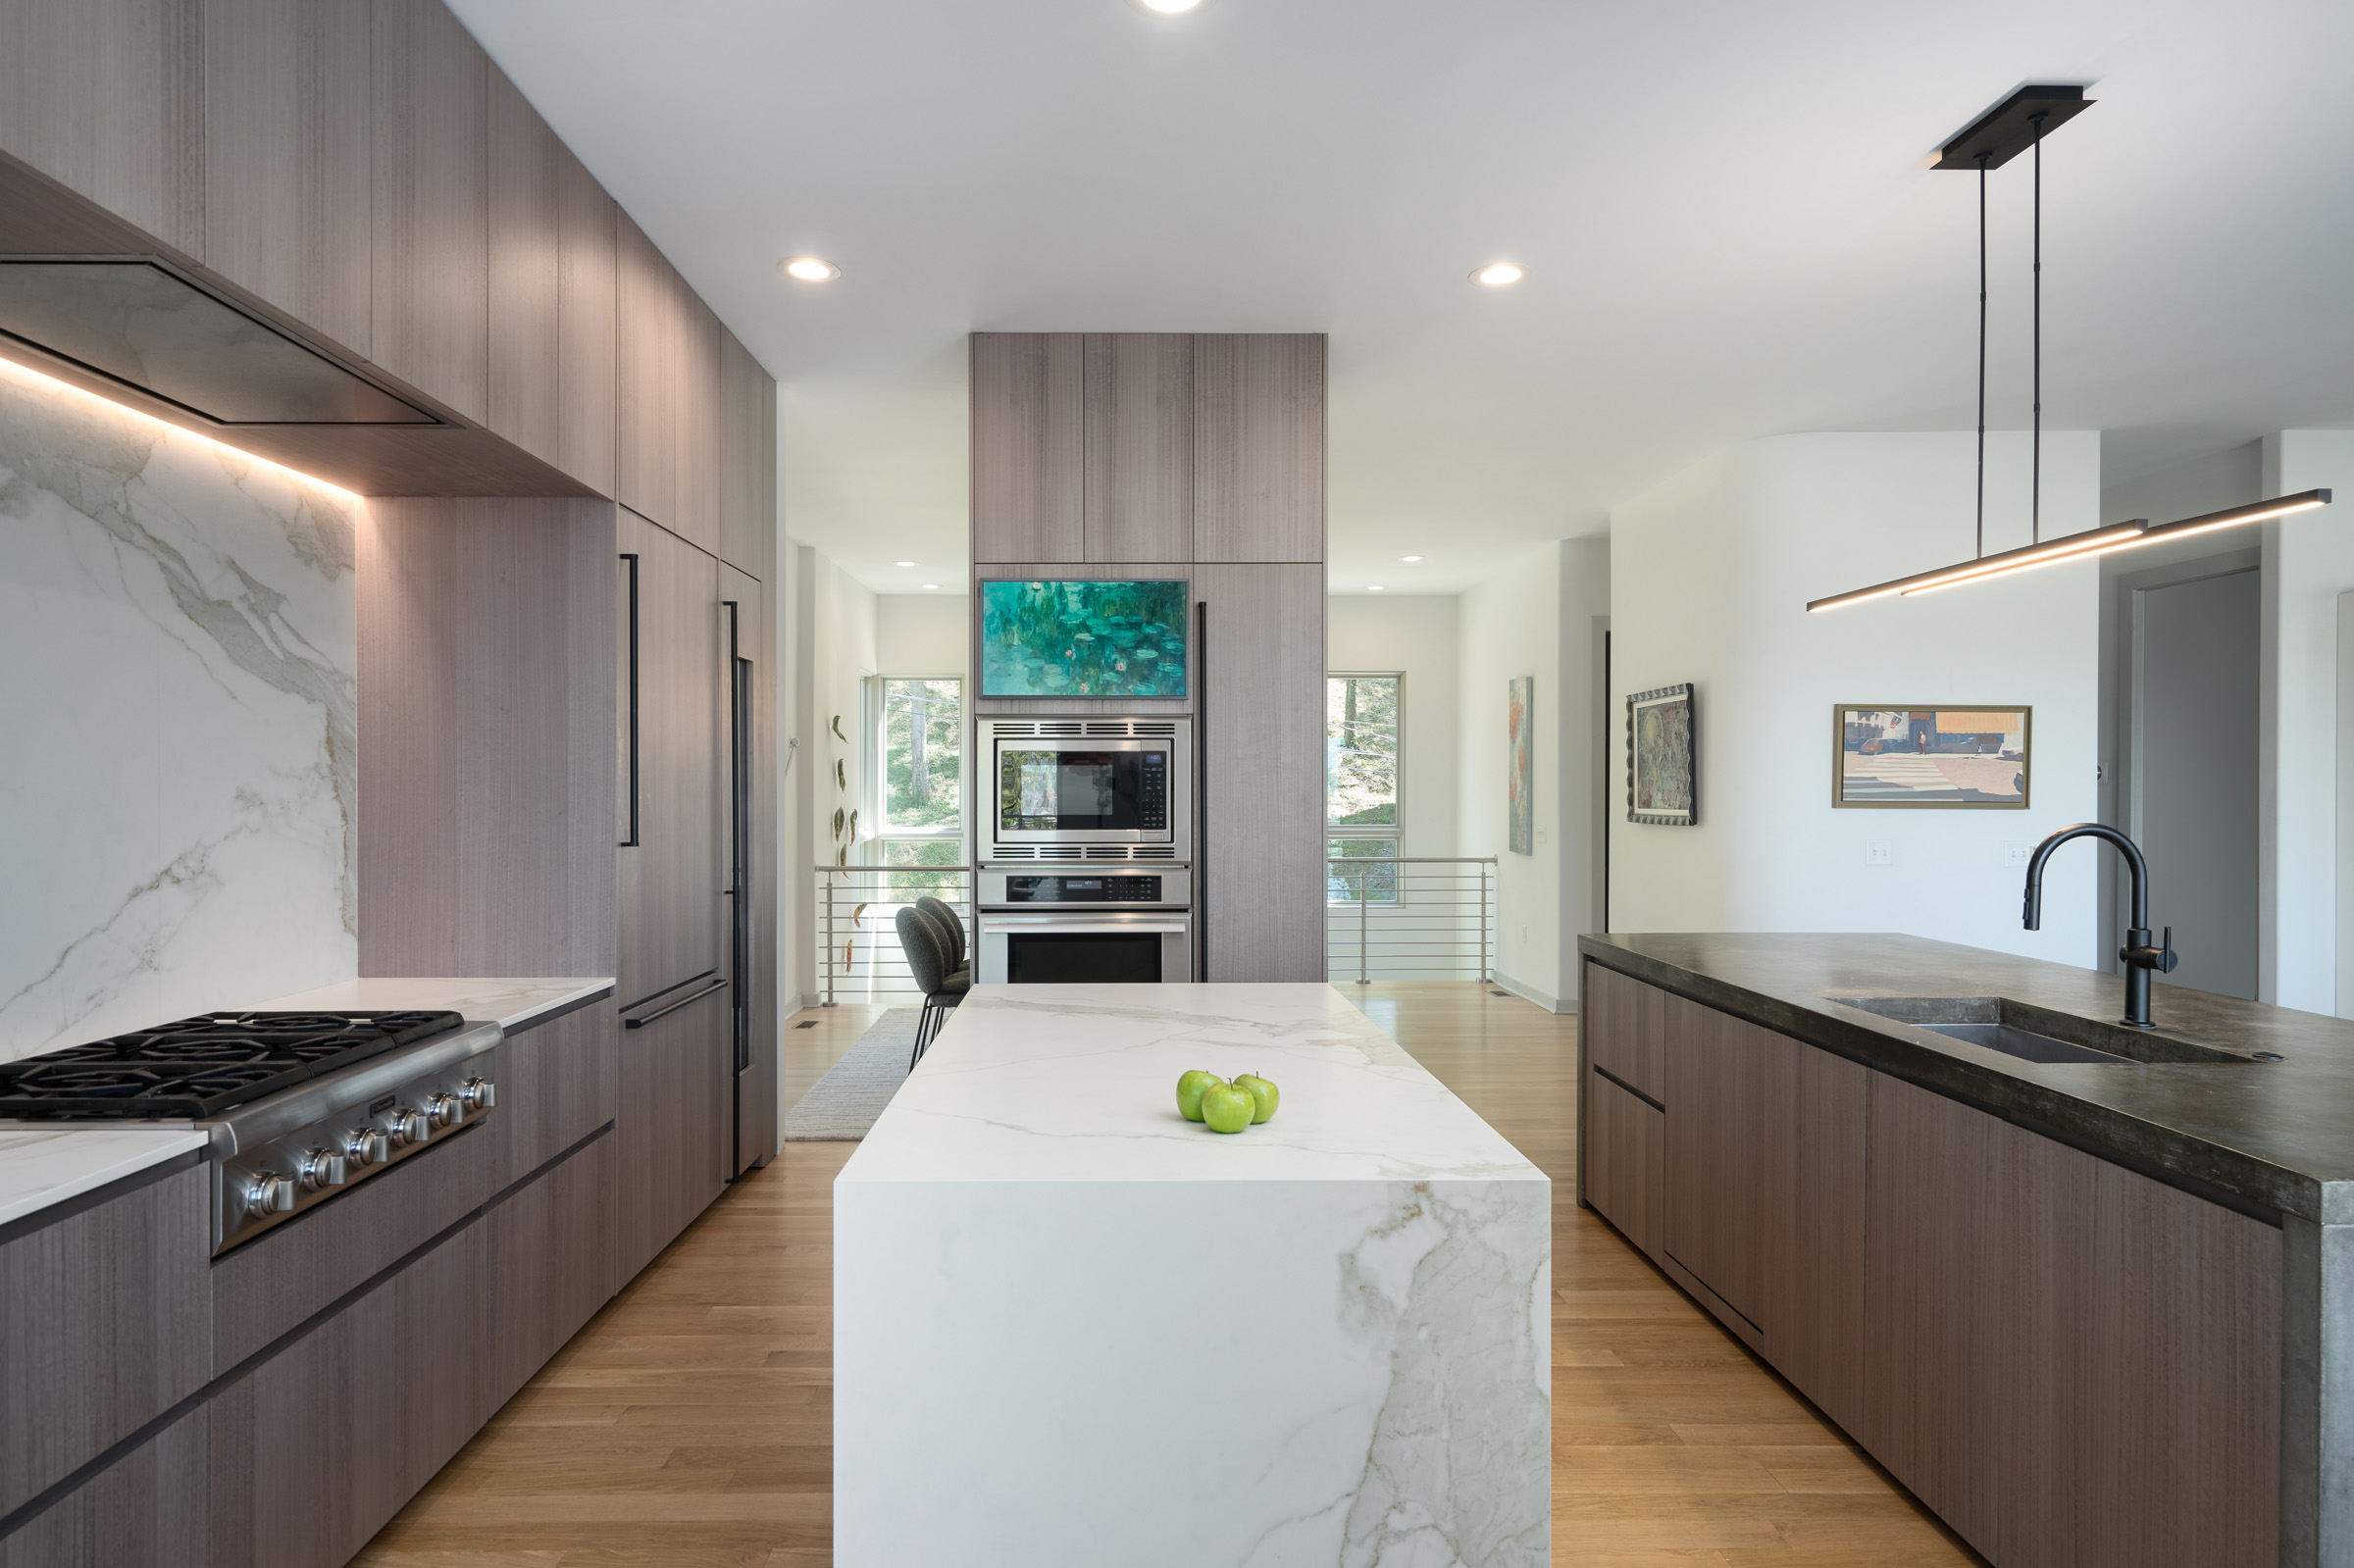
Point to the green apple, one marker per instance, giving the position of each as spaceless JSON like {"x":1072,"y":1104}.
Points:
{"x":1228,"y":1109}
{"x":1190,"y":1088}
{"x":1266,"y":1094}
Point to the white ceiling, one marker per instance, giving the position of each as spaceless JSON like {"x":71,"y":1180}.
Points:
{"x":1723,"y":206}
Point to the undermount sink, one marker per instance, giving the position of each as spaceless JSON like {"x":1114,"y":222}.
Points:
{"x":2039,"y":1035}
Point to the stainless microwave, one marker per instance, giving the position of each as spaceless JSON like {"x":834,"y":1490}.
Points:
{"x":1086,"y":790}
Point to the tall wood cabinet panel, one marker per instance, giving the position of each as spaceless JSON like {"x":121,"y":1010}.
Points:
{"x":145,"y":1510}
{"x":1933,"y":1354}
{"x":551,"y":294}
{"x":1029,"y":448}
{"x":1810,"y":1306}
{"x":486,"y":647}
{"x":429,"y":145}
{"x":674,"y":1137}
{"x":1260,"y":886}
{"x":671,"y":877}
{"x":747,"y":443}
{"x":1258,"y":446}
{"x":104,"y":1325}
{"x":105,"y":97}
{"x":2142,"y":1418}
{"x":695,"y":420}
{"x":1625,"y":1161}
{"x":1139,"y":446}
{"x":648,"y":368}
{"x":288,"y":170}
{"x":1719,"y":1079}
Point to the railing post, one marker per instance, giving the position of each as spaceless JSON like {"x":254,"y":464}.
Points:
{"x":829,"y":880}
{"x":1483,"y":921}
{"x":1361,"y":901}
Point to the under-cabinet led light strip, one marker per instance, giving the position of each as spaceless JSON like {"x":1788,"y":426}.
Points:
{"x":2076,"y":548}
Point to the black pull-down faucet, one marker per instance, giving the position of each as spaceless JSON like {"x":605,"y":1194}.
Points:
{"x":2139,"y":956}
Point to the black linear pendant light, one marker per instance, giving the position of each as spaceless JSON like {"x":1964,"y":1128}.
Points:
{"x":2017,"y":125}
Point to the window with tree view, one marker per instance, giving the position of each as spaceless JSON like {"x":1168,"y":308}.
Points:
{"x":1360,"y":786}
{"x":921,"y":809}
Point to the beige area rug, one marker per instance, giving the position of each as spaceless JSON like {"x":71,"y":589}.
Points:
{"x":841,"y":1106}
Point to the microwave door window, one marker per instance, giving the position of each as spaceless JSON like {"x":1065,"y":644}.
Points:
{"x":1052,"y":790}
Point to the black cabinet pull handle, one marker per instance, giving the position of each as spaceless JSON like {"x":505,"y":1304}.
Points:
{"x":712,"y":990}
{"x":630,"y":741}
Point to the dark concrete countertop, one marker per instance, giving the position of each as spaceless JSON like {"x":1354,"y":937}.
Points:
{"x":2272,"y":1137}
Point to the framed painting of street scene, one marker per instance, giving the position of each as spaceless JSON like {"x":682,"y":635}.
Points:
{"x":1955,"y":757}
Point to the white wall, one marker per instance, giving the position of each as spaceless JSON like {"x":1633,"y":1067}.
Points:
{"x":834,"y":639}
{"x":1710,"y":577}
{"x":2203,"y":484}
{"x":1511,"y":626}
{"x":921,"y":633}
{"x":1582,"y":751}
{"x":1414,"y":634}
{"x":2308,"y":562}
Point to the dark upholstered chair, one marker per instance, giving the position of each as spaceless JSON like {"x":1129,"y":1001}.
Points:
{"x":928,"y":949}
{"x":952,"y":925}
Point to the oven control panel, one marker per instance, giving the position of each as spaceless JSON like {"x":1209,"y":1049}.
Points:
{"x":1154,"y":788}
{"x":1083,"y":890}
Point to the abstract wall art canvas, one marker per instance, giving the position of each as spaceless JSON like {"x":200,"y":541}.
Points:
{"x":1955,"y":757}
{"x":1520,"y":767}
{"x":1123,"y":638}
{"x":1662,"y":768}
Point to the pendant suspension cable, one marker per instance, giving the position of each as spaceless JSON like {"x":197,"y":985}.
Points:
{"x":2035,"y":462}
{"x":1982,"y":353}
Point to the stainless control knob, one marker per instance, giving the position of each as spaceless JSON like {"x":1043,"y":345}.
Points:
{"x":448,"y":1110}
{"x":367,"y":1147}
{"x":411,"y":1127}
{"x":478,"y":1093}
{"x":269,"y":1194}
{"x":322,"y":1169}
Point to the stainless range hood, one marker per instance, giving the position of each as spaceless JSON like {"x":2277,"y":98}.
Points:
{"x":140,"y":325}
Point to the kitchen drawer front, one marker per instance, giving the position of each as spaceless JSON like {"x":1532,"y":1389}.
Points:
{"x":676,"y":1073}
{"x":552,"y":1250}
{"x":103,"y":1326}
{"x":556,"y":1087}
{"x":320,"y":1444}
{"x":145,"y":1510}
{"x":1627,"y":1029}
{"x":262,"y":1290}
{"x":1626,"y":1146}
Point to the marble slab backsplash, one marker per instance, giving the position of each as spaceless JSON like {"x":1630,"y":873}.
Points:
{"x":178,"y":651}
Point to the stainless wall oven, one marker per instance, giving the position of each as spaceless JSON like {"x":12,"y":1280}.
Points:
{"x":1098,"y":945}
{"x":1099,"y":789}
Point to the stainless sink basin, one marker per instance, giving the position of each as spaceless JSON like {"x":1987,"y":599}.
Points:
{"x":2039,"y":1035}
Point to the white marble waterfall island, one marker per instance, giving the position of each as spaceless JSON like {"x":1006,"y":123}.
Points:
{"x":1072,"y":1327}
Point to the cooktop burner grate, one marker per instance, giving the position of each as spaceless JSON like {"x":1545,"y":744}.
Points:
{"x":200,"y":1067}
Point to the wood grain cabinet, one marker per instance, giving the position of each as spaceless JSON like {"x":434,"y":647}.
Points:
{"x":1625,"y":1024}
{"x":552,"y":1261}
{"x":106,"y":98}
{"x":550,"y":375}
{"x":1811,"y":1278}
{"x":674,"y":1085}
{"x":1720,"y":1088}
{"x":103,"y":1326}
{"x":429,"y":133}
{"x":1139,"y":446}
{"x":747,"y":461}
{"x":1625,"y":1155}
{"x":1258,"y":446}
{"x":145,"y":1510}
{"x":289,"y":177}
{"x":1028,"y":447}
{"x":669,"y":393}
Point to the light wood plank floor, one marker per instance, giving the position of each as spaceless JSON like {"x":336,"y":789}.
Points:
{"x":688,"y":1425}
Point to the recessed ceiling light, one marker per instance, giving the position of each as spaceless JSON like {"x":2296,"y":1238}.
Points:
{"x":809,"y":269}
{"x":1169,"y":8}
{"x":1374,"y":587}
{"x":1410,"y":558}
{"x":931,"y":585}
{"x":902,"y":563}
{"x":1497,"y":273}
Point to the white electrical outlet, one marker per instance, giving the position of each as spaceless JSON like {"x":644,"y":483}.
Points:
{"x":2016,"y":855}
{"x":1878,"y":852}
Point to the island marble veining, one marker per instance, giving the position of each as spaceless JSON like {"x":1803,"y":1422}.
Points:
{"x":1071,"y":1327}
{"x":178,"y":623}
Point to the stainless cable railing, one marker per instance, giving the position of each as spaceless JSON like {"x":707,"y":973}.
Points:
{"x":856,"y":911}
{"x":1409,"y":917}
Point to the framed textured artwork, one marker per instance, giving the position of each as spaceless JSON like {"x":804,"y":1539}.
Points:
{"x":1519,"y":768}
{"x":1959,"y":757}
{"x":1123,"y":638}
{"x":1662,"y":769}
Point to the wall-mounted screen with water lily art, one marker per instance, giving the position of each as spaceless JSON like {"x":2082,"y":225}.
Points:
{"x":1112,"y":639}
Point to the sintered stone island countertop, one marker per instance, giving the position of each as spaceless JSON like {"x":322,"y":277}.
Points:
{"x":2274,"y":1135}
